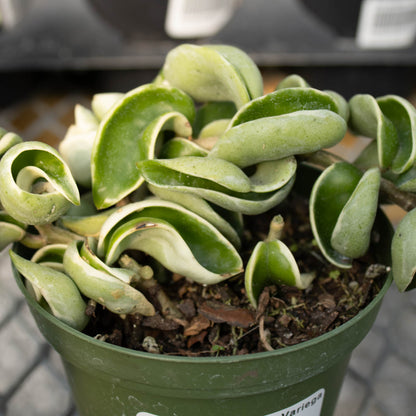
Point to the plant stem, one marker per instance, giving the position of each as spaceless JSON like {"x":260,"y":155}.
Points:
{"x":388,"y":189}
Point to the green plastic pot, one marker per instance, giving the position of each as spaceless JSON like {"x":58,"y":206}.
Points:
{"x":107,"y":380}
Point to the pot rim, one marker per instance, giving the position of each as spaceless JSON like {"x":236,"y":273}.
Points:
{"x":208,"y":360}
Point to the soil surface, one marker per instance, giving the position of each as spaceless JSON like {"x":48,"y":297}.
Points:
{"x":218,"y":320}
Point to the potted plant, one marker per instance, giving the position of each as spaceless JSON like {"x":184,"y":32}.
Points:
{"x":192,"y":247}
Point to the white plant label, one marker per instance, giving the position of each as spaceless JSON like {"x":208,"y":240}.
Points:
{"x":311,"y":406}
{"x":386,"y":24}
{"x":191,"y":18}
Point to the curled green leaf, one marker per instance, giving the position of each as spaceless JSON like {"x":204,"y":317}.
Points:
{"x":210,"y":112}
{"x":117,"y":147}
{"x":213,"y":73}
{"x":32,"y":167}
{"x":8,"y":140}
{"x":368,"y":119}
{"x":178,"y":147}
{"x":284,"y":101}
{"x":272,"y":262}
{"x":57,"y":289}
{"x":102,"y":286}
{"x":180,"y":240}
{"x":403,"y":116}
{"x":276,"y":137}
{"x":103,"y":102}
{"x":403,"y":252}
{"x":342,"y":210}
{"x":10,"y":230}
{"x":223,"y":184}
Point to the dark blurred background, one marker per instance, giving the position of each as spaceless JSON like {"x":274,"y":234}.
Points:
{"x":101,"y":45}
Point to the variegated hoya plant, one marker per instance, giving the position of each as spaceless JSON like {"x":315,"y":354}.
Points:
{"x":170,"y":169}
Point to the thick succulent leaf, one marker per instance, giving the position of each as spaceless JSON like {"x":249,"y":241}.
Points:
{"x":368,"y":119}
{"x":103,"y":102}
{"x":368,"y":158}
{"x":245,"y":66}
{"x":403,"y":115}
{"x":87,"y":226}
{"x":52,"y":256}
{"x":210,"y":112}
{"x":292,"y":81}
{"x":20,"y":168}
{"x":85,"y":119}
{"x":407,"y":180}
{"x":58,"y":290}
{"x":276,"y":137}
{"x":329,"y":195}
{"x":87,"y":252}
{"x":215,"y":128}
{"x":205,"y":74}
{"x":403,"y":252}
{"x":103,"y":287}
{"x":201,"y":207}
{"x":164,"y":174}
{"x":284,"y":101}
{"x":8,"y":140}
{"x":272,"y":262}
{"x":116,"y":149}
{"x":179,"y":239}
{"x":352,"y":231}
{"x":10,"y":230}
{"x":76,"y":149}
{"x":178,"y":147}
{"x":172,"y":121}
{"x":218,"y":172}
{"x":273,"y":174}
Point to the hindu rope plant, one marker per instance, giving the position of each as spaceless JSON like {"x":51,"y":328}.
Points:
{"x":173,"y":168}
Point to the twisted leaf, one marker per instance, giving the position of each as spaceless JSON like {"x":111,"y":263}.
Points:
{"x":221,"y":182}
{"x":102,"y":286}
{"x":342,"y":210}
{"x":178,"y":147}
{"x":8,"y":140}
{"x":117,"y":147}
{"x":277,"y":137}
{"x":403,"y":116}
{"x":369,"y":120}
{"x":57,"y":289}
{"x":272,"y":262}
{"x":284,"y":101}
{"x":10,"y":230}
{"x":180,"y":240}
{"x":199,"y":206}
{"x":21,"y":169}
{"x":403,"y":251}
{"x":102,"y":103}
{"x":213,"y":73}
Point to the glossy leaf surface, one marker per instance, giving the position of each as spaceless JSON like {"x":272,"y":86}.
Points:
{"x":103,"y":287}
{"x":179,"y":239}
{"x":21,"y":168}
{"x":58,"y":290}
{"x":403,"y":251}
{"x":117,"y":146}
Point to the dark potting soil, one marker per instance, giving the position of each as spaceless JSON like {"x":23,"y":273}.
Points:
{"x":219,"y":320}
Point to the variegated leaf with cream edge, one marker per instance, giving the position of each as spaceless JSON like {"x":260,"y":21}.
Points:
{"x":213,"y":73}
{"x":179,"y":239}
{"x":117,"y":146}
{"x":29,"y":166}
{"x":403,"y":252}
{"x":223,"y":183}
{"x":272,"y":262}
{"x":276,"y":137}
{"x":61,"y":295}
{"x":343,"y":206}
{"x":102,"y":285}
